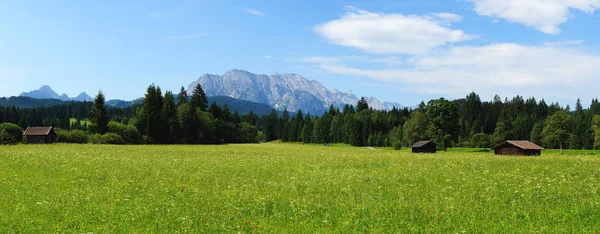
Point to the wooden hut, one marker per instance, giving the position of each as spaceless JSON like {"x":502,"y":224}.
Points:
{"x":519,"y":148}
{"x":424,"y":147}
{"x":40,"y":135}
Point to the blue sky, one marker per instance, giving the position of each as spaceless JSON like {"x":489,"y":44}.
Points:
{"x":402,"y":51}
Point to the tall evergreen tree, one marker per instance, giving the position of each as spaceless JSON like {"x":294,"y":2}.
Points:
{"x":182,"y":97}
{"x":199,"y":98}
{"x":596,"y":128}
{"x":271,"y":125}
{"x":581,"y":129}
{"x":152,"y":116}
{"x":362,"y":104}
{"x":99,"y":114}
{"x":169,"y":115}
{"x":284,"y":126}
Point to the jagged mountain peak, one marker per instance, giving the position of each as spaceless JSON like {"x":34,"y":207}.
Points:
{"x":83,"y":97}
{"x":46,"y":88}
{"x":46,"y":92}
{"x":282,"y":91}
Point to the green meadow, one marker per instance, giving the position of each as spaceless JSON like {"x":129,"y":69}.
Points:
{"x":293,"y":188}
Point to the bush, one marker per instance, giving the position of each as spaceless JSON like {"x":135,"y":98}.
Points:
{"x":260,"y":137}
{"x":14,"y":132}
{"x":397,"y":145}
{"x":79,"y":137}
{"x":107,"y":139}
{"x":128,"y":133}
{"x":62,"y":136}
{"x":5,"y":138}
{"x":75,"y":136}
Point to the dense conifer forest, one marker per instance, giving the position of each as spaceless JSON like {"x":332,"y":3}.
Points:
{"x":178,"y":119}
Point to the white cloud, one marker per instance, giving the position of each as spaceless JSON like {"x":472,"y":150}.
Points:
{"x":268,"y":57}
{"x":254,"y":12}
{"x":391,"y":60}
{"x":392,"y":33}
{"x":505,"y":69}
{"x":563,"y":43}
{"x":544,"y":15}
{"x":182,"y":37}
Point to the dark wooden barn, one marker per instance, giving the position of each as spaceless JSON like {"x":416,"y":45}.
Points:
{"x":519,"y":148}
{"x":40,"y":135}
{"x":424,"y":147}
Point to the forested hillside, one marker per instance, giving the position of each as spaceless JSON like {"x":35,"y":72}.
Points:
{"x":27,"y":102}
{"x":468,"y":122}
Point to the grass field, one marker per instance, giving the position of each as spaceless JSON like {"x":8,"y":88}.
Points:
{"x":283,"y":188}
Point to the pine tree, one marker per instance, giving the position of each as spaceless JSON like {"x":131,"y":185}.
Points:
{"x":199,"y":99}
{"x":362,"y":104}
{"x":284,"y":126}
{"x":99,"y":115}
{"x":182,"y":97}
{"x":596,"y":128}
{"x":151,"y":116}
{"x":169,"y":115}
{"x":271,"y":125}
{"x":581,"y":126}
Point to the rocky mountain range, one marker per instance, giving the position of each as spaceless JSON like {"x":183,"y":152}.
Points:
{"x":45,"y":92}
{"x":281,"y":91}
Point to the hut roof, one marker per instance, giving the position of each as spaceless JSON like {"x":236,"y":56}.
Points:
{"x":420,"y":144}
{"x":525,"y":145}
{"x":38,"y":131}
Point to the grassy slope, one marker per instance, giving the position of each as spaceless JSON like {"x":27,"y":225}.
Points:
{"x":291,"y":188}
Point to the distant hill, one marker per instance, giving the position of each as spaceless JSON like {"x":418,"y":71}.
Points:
{"x":281,"y":91}
{"x":27,"y":102}
{"x":45,"y":92}
{"x":241,"y":106}
{"x":123,"y":104}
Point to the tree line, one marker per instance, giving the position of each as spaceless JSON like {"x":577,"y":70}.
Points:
{"x":178,"y":119}
{"x":465,"y":122}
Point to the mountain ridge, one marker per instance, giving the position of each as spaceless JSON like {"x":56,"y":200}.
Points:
{"x":46,"y":92}
{"x":282,"y":91}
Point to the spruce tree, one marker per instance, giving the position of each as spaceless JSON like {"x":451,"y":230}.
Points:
{"x":182,"y":97}
{"x":169,"y":115}
{"x":362,"y":105}
{"x":99,"y":114}
{"x":199,"y":99}
{"x":151,"y":116}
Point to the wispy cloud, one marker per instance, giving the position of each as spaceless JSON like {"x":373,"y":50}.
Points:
{"x":268,"y":57}
{"x":563,"y":43}
{"x":182,"y":37}
{"x":253,"y":12}
{"x":506,"y":69}
{"x":543,"y":15}
{"x":390,"y":60}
